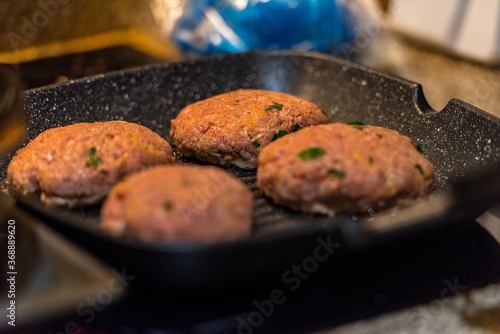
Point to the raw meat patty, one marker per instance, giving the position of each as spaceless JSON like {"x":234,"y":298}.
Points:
{"x":232,"y":128}
{"x":337,"y":168}
{"x":180,"y":203}
{"x":78,"y":164}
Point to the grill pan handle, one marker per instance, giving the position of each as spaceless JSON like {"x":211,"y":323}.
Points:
{"x":467,"y":199}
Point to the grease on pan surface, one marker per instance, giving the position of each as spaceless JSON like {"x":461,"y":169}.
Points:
{"x":180,"y":203}
{"x":232,"y":128}
{"x":78,"y":164}
{"x":340,"y":168}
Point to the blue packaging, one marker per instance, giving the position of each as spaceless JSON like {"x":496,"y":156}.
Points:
{"x":226,"y":26}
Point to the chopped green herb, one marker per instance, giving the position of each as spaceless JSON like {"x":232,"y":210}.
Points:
{"x":256,"y":144}
{"x":419,"y":147}
{"x":336,"y":160}
{"x":356,"y":124}
{"x":379,"y":135}
{"x":337,"y":172}
{"x":370,"y":159}
{"x":312,"y":153}
{"x":419,"y":168}
{"x":168,"y":205}
{"x":91,"y":151}
{"x":280,"y":134}
{"x":94,"y":160}
{"x":324,"y":113}
{"x":276,"y":106}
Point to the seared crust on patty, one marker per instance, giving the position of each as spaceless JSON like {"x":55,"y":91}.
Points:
{"x":337,"y":168}
{"x":232,"y":128}
{"x":78,"y":164}
{"x":179,"y":203}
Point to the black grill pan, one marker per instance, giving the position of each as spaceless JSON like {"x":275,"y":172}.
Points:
{"x":461,"y":141}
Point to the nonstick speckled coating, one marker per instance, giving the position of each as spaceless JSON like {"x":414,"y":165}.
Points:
{"x":459,"y":140}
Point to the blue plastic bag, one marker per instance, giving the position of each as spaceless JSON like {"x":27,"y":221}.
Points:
{"x":226,"y":26}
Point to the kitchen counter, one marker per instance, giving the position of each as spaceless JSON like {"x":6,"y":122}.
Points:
{"x":443,"y":76}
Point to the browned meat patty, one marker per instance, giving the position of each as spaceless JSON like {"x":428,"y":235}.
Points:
{"x":179,"y":203}
{"x":78,"y":164}
{"x":232,"y":128}
{"x":337,"y":168}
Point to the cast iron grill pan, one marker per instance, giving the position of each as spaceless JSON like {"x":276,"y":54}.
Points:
{"x":459,"y":140}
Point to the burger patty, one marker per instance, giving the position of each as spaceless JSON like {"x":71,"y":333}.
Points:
{"x":78,"y":164}
{"x":232,"y":128}
{"x":337,"y":168}
{"x":179,"y":203}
